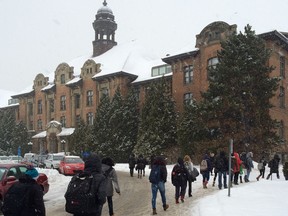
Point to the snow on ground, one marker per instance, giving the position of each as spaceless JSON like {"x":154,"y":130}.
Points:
{"x":261,"y":198}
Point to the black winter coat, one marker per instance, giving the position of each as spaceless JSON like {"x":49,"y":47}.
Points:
{"x":34,"y":204}
{"x":221,"y":163}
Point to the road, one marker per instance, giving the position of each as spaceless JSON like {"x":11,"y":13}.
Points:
{"x":135,"y":199}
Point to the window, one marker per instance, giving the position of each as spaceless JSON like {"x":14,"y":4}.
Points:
{"x":90,"y":118}
{"x":89,"y":101}
{"x":39,"y":110}
{"x":161,"y":70}
{"x":104,"y":92}
{"x":77,"y":101}
{"x":78,"y":120}
{"x":212,"y":62}
{"x":31,"y":125}
{"x":30,"y":109}
{"x":282,"y":97}
{"x":39,"y":124}
{"x":282,"y":66}
{"x":188,"y":98}
{"x":63,"y":121}
{"x":62,"y":78}
{"x":188,"y":74}
{"x":51,"y":105}
{"x":281,"y":130}
{"x":63,"y":102}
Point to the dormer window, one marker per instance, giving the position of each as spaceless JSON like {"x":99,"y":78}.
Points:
{"x":62,"y":77}
{"x":161,"y":70}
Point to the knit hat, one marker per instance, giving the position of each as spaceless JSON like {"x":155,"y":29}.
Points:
{"x":32,"y":172}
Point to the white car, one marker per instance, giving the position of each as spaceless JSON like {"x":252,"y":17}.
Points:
{"x":53,"y":160}
{"x":15,"y":158}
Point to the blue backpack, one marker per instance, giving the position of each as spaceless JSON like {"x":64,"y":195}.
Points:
{"x":154,"y":176}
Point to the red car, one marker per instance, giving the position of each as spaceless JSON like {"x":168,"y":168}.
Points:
{"x":10,"y":173}
{"x":71,"y":165}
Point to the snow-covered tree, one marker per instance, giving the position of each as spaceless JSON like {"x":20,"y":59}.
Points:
{"x":157,"y":129}
{"x":237,"y":101}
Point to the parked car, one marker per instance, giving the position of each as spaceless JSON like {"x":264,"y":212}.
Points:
{"x":10,"y":173}
{"x":39,"y":160}
{"x":3,"y":158}
{"x":15,"y":158}
{"x":53,"y":160}
{"x":71,"y":165}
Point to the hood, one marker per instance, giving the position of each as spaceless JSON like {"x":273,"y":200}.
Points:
{"x":93,"y":164}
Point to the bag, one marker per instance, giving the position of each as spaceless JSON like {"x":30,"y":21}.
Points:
{"x":80,"y":195}
{"x":260,"y":166}
{"x":154,"y":176}
{"x":195,"y":173}
{"x":203,"y":165}
{"x":16,"y":199}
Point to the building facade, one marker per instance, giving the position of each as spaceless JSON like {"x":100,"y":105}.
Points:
{"x":68,"y":96}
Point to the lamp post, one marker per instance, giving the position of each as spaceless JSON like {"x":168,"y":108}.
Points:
{"x":63,"y":142}
{"x":30,"y":144}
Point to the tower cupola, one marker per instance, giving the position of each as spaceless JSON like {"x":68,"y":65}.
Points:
{"x":104,"y":27}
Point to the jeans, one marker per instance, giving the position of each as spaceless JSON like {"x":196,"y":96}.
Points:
{"x":110,"y":205}
{"x":220,"y":174}
{"x":155,"y":187}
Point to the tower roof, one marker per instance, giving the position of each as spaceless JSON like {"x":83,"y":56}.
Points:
{"x":104,"y":9}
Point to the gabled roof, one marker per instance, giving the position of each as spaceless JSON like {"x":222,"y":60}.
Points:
{"x":276,"y":35}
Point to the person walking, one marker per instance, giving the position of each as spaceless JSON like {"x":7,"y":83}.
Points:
{"x":140,"y":166}
{"x":205,"y":168}
{"x":222,"y":166}
{"x":236,"y":168}
{"x":274,"y":166}
{"x":132,"y":163}
{"x":249,"y":165}
{"x":189,"y":166}
{"x":25,"y":197}
{"x":112,"y":180}
{"x":179,"y":180}
{"x":261,"y":167}
{"x":158,"y":178}
{"x":90,"y":205}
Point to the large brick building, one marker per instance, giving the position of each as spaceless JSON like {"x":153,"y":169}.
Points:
{"x":74,"y":90}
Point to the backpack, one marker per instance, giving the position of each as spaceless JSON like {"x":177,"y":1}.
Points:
{"x":260,"y":166}
{"x":154,"y":176}
{"x":203,"y":165}
{"x":16,"y":199}
{"x":80,"y":195}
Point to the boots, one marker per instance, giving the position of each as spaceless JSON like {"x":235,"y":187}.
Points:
{"x":205,"y":184}
{"x":177,"y":201}
{"x":154,"y":211}
{"x":213,"y":185}
{"x":182,"y":199}
{"x":165,"y":207}
{"x":241,"y":181}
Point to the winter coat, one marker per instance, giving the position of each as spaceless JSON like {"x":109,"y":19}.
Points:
{"x":221,"y":162}
{"x":35,"y":205}
{"x":274,"y":164}
{"x":237,"y":164}
{"x":163,"y":169}
{"x":249,"y":161}
{"x":93,"y":166}
{"x":132,"y":162}
{"x":141,"y":163}
{"x":179,"y":174}
{"x":112,"y":180}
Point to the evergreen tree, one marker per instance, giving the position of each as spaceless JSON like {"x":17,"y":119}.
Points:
{"x":81,"y":140}
{"x":20,"y":138}
{"x":7,"y":125}
{"x":237,"y":101}
{"x":157,"y":129}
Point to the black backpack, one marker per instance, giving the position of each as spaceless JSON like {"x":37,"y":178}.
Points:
{"x":80,"y":196}
{"x":155,"y":176}
{"x":16,"y":199}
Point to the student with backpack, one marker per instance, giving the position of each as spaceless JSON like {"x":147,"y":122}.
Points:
{"x":222,"y":166}
{"x":86,"y":192}
{"x":179,"y":177}
{"x":158,"y":178}
{"x":274,"y":166}
{"x":189,"y":166}
{"x":112,"y":181}
{"x":25,"y":198}
{"x":205,"y":168}
{"x":261,"y":167}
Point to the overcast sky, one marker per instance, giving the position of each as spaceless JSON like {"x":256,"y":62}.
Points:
{"x":37,"y":35}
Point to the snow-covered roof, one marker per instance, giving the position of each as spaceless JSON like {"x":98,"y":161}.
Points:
{"x":4,"y":97}
{"x":66,"y":132}
{"x":49,"y":86}
{"x":40,"y":135}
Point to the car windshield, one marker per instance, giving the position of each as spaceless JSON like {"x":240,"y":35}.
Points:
{"x":58,"y":157}
{"x":74,"y":160}
{"x":2,"y":171}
